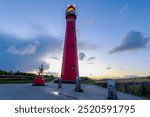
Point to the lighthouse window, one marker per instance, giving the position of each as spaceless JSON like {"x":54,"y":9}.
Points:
{"x":70,"y":19}
{"x":73,"y":46}
{"x":73,"y":67}
{"x":73,"y":28}
{"x":73,"y":20}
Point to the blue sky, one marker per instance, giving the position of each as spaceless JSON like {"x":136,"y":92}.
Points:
{"x":113,"y":36}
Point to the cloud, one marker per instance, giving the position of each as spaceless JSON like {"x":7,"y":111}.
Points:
{"x":108,"y":68}
{"x":123,"y":11}
{"x":29,"y":49}
{"x":132,"y":76}
{"x":133,"y":41}
{"x":55,"y":58}
{"x":82,"y":56}
{"x":91,"y":63}
{"x":91,"y":58}
{"x":26,"y":55}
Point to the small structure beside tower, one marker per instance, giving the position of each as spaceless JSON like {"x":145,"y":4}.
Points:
{"x":39,"y":80}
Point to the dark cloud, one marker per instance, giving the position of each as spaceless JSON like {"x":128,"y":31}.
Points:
{"x":132,"y":41}
{"x":91,"y":58}
{"x":132,"y":76}
{"x":26,"y":55}
{"x":82,"y":56}
{"x":108,"y":67}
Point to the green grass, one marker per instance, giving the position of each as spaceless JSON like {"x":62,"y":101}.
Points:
{"x":9,"y":81}
{"x":22,"y":80}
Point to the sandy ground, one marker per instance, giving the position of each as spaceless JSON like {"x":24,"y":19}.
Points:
{"x":51,"y":92}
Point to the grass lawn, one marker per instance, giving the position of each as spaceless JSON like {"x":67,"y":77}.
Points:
{"x":21,"y":80}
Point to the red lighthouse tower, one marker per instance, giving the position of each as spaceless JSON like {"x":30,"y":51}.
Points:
{"x":70,"y":58}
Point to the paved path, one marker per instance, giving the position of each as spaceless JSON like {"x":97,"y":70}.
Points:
{"x":51,"y":92}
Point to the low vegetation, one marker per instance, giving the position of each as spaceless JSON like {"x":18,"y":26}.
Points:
{"x":135,"y":86}
{"x":20,"y":77}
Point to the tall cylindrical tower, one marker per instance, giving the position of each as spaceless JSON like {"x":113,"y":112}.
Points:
{"x":70,"y":56}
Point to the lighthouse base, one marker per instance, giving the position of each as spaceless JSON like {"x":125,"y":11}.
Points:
{"x":69,"y":81}
{"x":65,"y":81}
{"x":39,"y":81}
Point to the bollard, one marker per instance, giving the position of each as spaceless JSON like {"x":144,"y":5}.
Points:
{"x":59,"y":83}
{"x":78,"y":85}
{"x":112,"y":93}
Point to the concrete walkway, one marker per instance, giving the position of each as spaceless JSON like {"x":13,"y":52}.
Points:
{"x":51,"y":92}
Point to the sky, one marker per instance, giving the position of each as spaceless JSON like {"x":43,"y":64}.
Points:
{"x":113,"y":36}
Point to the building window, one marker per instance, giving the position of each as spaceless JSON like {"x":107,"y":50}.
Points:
{"x":70,"y":19}
{"x":73,"y":46}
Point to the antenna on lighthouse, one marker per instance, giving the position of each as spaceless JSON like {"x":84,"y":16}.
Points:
{"x":77,"y":7}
